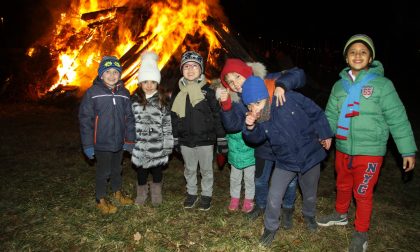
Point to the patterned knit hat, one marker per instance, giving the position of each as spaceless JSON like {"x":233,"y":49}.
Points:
{"x":149,"y":70}
{"x":254,"y":90}
{"x":108,"y":62}
{"x":191,"y":56}
{"x":237,"y":66}
{"x":362,"y":38}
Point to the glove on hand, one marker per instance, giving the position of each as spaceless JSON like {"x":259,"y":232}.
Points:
{"x":222,"y":146}
{"x":128,"y":147}
{"x":89,"y":152}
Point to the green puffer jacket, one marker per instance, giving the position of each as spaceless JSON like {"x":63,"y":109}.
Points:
{"x":240,"y":155}
{"x":381,"y":113}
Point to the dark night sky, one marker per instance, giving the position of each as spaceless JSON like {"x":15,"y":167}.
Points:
{"x":395,"y":28}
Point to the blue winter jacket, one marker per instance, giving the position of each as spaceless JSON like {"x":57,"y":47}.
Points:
{"x":234,"y":119}
{"x":293,"y":131}
{"x":105,"y":116}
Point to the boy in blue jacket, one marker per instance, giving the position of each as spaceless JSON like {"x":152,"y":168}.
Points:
{"x":233,"y":76}
{"x":298,"y":132}
{"x":106,"y":129}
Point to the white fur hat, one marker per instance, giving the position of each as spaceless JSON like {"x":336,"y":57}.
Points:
{"x":149,"y":70}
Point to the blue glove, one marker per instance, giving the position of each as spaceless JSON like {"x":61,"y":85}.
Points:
{"x":89,"y":152}
{"x":128,"y":147}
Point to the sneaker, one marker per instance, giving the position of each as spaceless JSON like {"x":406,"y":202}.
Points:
{"x":190,"y":201}
{"x":123,"y":200}
{"x":205,"y":203}
{"x":333,"y":219}
{"x":234,"y":204}
{"x":310,"y":223}
{"x":248,"y":205}
{"x":359,"y":242}
{"x":287,"y":218}
{"x":267,"y":237}
{"x":106,"y":207}
{"x":255,"y":213}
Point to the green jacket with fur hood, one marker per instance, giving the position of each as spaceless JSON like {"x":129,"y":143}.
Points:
{"x":381,"y":113}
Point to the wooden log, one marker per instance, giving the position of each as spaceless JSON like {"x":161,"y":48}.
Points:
{"x":95,"y":15}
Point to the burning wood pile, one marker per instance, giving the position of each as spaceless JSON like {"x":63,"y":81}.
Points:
{"x":168,"y":27}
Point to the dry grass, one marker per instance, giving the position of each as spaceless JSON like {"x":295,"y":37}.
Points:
{"x":47,"y":201}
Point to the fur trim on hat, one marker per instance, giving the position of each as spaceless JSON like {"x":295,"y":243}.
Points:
{"x":258,"y":69}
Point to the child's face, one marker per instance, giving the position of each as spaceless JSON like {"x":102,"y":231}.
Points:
{"x":148,"y":87}
{"x":235,"y":81}
{"x":257,"y":107}
{"x":111,"y":77}
{"x":191,"y":71}
{"x":358,"y":57}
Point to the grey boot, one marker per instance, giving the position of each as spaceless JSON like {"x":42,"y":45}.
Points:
{"x":156,"y":193}
{"x":287,"y":217}
{"x":142,"y":191}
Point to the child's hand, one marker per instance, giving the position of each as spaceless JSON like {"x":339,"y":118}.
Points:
{"x":326,"y":143}
{"x":409,"y":163}
{"x":250,"y":120}
{"x":222,"y":94}
{"x":279,"y":94}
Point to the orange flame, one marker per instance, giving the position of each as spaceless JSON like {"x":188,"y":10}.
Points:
{"x":80,"y":44}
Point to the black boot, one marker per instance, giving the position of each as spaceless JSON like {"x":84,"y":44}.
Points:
{"x":255,"y":213}
{"x":287,"y":218}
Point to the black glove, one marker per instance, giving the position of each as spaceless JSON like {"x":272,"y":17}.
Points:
{"x":177,"y":148}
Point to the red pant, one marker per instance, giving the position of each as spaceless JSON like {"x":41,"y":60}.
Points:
{"x":357,"y":174}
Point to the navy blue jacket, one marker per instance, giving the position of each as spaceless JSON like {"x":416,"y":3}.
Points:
{"x":105,"y":116}
{"x":293,"y":131}
{"x":234,"y":119}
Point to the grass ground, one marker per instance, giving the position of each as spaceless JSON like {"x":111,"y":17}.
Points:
{"x":47,"y":201}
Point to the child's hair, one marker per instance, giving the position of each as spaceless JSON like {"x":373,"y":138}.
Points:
{"x":163,"y":96}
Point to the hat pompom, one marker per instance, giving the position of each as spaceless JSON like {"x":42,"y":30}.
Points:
{"x":149,"y":70}
{"x":254,"y":90}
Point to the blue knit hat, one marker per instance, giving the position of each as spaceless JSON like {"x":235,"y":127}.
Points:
{"x":108,"y":62}
{"x":254,"y":90}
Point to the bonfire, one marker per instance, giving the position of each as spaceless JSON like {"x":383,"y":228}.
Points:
{"x":91,"y":29}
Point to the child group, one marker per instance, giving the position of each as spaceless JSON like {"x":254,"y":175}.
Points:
{"x":276,"y":136}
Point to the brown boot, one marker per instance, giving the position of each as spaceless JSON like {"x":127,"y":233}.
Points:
{"x":156,"y":193}
{"x":142,"y":191}
{"x":123,"y":200}
{"x":106,"y":207}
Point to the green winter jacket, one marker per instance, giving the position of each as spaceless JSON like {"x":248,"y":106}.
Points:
{"x":240,"y":155}
{"x":381,"y":113}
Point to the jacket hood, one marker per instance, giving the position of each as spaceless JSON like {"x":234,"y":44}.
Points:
{"x":246,"y":69}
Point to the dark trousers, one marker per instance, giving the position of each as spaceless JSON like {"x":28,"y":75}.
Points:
{"x":108,"y":166}
{"x":143,"y":174}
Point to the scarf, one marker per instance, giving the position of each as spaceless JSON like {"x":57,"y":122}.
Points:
{"x":190,"y":88}
{"x":350,"y":107}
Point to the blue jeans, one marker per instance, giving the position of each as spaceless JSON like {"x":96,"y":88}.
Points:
{"x":262,"y":179}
